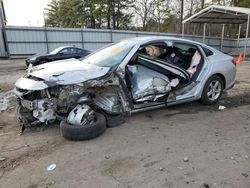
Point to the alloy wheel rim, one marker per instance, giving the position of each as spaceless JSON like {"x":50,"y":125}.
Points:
{"x":214,"y":90}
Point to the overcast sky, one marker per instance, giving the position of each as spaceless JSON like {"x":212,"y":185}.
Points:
{"x":25,"y":12}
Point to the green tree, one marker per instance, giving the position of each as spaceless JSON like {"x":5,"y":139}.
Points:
{"x":71,"y":13}
{"x":113,"y":14}
{"x":241,"y":3}
{"x":143,"y":10}
{"x":52,"y":16}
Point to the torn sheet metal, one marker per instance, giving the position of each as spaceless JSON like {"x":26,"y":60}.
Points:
{"x":29,"y":84}
{"x":147,"y":84}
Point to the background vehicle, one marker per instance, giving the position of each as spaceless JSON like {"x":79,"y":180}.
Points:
{"x":129,"y":76}
{"x":64,"y":52}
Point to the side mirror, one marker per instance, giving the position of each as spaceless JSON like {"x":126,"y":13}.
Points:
{"x":61,"y":53}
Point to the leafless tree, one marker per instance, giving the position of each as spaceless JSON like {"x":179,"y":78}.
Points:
{"x":144,"y":9}
{"x":161,"y":11}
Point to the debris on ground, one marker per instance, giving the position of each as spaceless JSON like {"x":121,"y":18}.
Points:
{"x":205,"y":185}
{"x":107,"y":156}
{"x":161,"y":168}
{"x":221,"y":108}
{"x":185,"y":159}
{"x":179,"y":167}
{"x":244,"y":174}
{"x":51,"y":167}
{"x":7,"y":100}
{"x":2,"y":158}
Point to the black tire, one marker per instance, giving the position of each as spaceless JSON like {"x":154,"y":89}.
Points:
{"x":115,"y":120}
{"x":85,"y":132}
{"x":205,"y":99}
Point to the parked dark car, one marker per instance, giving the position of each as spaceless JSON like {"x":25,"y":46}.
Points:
{"x":64,"y":52}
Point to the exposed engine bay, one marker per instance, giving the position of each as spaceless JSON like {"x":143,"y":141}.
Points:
{"x":77,"y":100}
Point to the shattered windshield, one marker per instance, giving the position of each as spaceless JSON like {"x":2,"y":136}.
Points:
{"x":111,"y":55}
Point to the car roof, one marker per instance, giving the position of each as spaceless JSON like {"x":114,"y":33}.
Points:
{"x":143,"y":40}
{"x":70,"y":47}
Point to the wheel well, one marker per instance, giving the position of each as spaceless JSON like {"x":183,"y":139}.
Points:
{"x":223,"y":79}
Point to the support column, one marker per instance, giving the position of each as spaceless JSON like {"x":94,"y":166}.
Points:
{"x":183,"y":30}
{"x":222,"y":37}
{"x":111,"y":35}
{"x":82,"y":37}
{"x":246,"y":41}
{"x":238,"y":41}
{"x":204,"y":32}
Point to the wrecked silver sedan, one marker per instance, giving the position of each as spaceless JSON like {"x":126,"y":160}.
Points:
{"x":129,"y":76}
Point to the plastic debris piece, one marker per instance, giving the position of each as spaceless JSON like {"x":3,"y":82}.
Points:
{"x":108,"y":156}
{"x":51,"y":167}
{"x":222,"y":107}
{"x":161,"y":168}
{"x":2,"y":158}
{"x":185,"y":159}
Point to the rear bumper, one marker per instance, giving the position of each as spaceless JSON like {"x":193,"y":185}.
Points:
{"x":230,"y":86}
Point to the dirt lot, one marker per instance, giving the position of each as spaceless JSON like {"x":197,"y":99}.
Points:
{"x":146,"y":151}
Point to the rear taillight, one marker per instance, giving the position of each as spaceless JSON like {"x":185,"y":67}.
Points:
{"x":234,"y":62}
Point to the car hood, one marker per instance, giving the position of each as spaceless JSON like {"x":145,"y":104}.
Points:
{"x":64,"y":72}
{"x":33,"y":57}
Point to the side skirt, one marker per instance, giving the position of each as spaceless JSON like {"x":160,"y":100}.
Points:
{"x":153,"y":106}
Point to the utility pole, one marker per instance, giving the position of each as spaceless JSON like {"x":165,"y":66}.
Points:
{"x":182,"y":8}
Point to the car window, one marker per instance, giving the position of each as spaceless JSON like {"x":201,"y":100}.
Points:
{"x":110,"y":55}
{"x":154,"y":49}
{"x":185,"y":49}
{"x":55,"y":51}
{"x":81,"y":51}
{"x":73,"y":50}
{"x":207,"y":51}
{"x":67,"y":51}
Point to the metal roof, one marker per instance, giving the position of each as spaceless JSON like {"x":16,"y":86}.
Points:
{"x":220,"y":15}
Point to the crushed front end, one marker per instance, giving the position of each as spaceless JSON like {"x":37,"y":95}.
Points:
{"x":43,"y":102}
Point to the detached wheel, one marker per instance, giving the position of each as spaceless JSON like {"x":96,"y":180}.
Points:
{"x":212,"y":90}
{"x":84,"y":132}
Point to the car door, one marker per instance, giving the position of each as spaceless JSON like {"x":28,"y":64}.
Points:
{"x":65,"y":53}
{"x":83,"y":53}
{"x":80,"y":53}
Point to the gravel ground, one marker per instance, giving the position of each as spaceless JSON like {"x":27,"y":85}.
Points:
{"x":188,"y":145}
